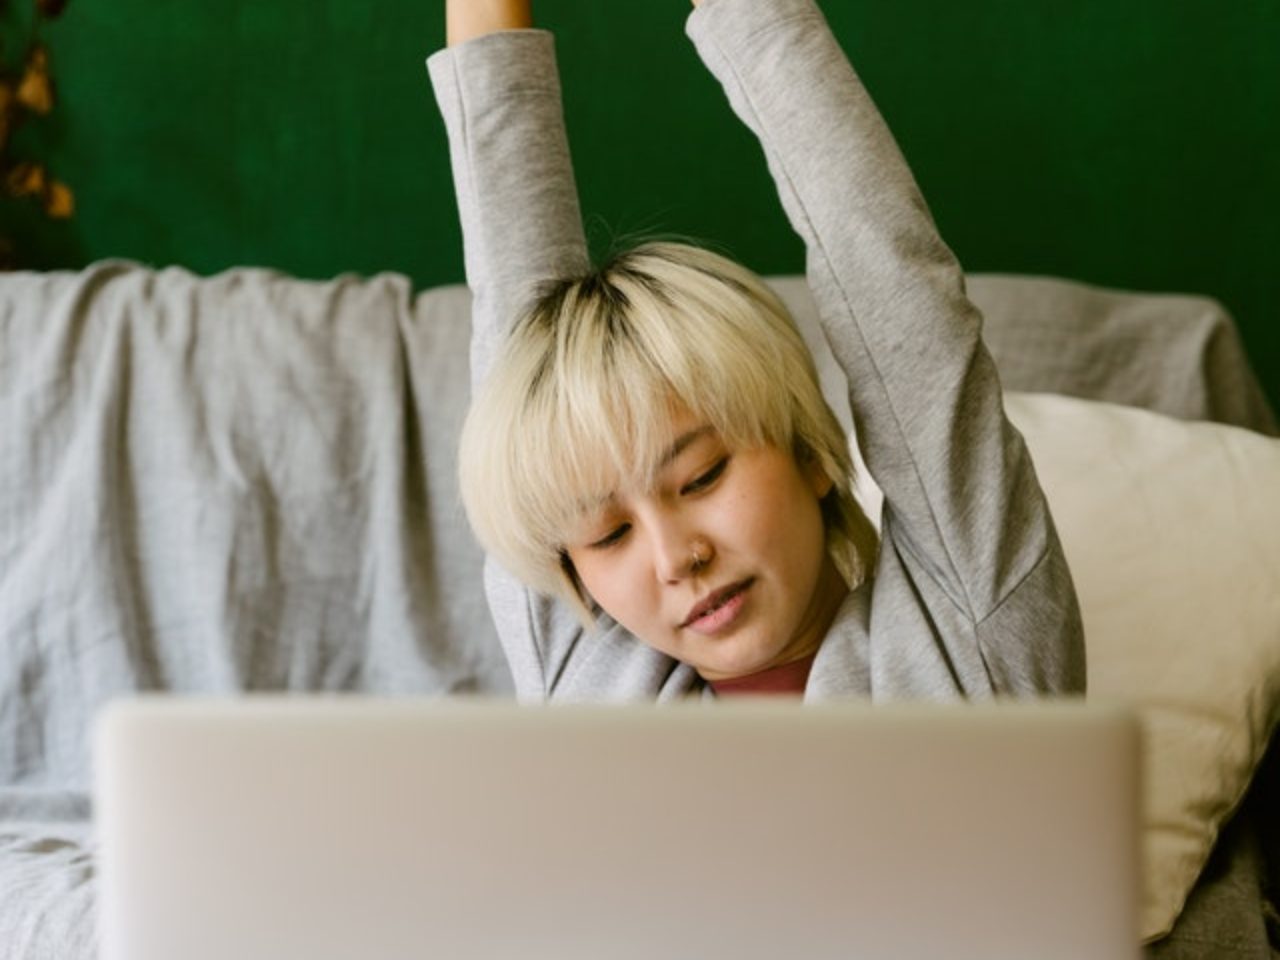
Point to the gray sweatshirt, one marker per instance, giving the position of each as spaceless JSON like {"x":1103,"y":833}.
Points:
{"x":971,"y":595}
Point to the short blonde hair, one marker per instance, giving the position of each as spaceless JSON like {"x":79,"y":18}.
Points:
{"x":582,"y":396}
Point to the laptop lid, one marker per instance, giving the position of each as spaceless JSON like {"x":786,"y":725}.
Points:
{"x":343,"y":828}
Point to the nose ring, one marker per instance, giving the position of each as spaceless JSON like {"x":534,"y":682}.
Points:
{"x":701,"y":555}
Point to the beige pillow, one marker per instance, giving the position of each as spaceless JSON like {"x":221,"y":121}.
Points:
{"x":1172,"y":530}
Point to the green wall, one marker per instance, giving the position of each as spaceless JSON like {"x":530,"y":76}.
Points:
{"x":1131,"y":143}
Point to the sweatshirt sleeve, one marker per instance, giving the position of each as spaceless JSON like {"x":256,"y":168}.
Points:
{"x":963,"y":506}
{"x":499,"y":95}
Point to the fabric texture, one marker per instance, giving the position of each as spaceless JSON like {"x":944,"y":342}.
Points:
{"x":1221,"y":918}
{"x":789,"y":679}
{"x":239,"y":465}
{"x":1204,"y":374}
{"x":971,"y":595}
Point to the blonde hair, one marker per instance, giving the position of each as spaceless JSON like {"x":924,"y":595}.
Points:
{"x":581,"y":399}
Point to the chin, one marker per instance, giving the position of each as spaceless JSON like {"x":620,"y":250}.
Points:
{"x":740,"y":664}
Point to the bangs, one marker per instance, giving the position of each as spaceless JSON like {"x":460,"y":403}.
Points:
{"x":627,"y":353}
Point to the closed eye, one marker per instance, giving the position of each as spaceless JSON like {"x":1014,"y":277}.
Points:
{"x":705,"y":480}
{"x":612,"y":538}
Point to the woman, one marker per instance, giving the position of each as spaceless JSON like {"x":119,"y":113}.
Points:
{"x":665,"y":506}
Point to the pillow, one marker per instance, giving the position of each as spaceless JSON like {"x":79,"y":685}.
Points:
{"x":1172,"y":531}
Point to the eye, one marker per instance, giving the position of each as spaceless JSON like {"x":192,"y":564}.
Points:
{"x":612,"y":538}
{"x":705,"y":480}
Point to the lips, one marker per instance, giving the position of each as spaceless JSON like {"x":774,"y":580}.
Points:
{"x":716,"y":599}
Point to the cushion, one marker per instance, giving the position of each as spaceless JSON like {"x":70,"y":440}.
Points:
{"x":1172,"y":530}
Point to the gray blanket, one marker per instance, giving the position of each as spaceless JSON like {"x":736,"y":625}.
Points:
{"x":246,"y":482}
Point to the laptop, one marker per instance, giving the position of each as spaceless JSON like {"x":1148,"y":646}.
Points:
{"x":327,"y":828}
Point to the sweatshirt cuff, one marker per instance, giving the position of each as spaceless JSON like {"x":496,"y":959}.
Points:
{"x":491,"y":68}
{"x":730,"y":24}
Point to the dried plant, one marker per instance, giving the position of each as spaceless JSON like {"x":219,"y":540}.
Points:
{"x":27,"y":91}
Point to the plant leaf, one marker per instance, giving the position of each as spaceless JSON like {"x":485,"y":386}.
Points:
{"x":59,"y":201}
{"x":35,"y":90}
{"x":25,"y":179}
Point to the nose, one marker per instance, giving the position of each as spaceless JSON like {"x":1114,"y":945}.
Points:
{"x":679,"y":552}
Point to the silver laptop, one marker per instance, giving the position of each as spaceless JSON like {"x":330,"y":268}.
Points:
{"x":318,"y":829}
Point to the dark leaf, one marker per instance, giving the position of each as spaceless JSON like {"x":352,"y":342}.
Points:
{"x":25,"y":180}
{"x":48,"y":8}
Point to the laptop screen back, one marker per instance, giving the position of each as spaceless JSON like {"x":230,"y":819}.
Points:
{"x":335,"y":828}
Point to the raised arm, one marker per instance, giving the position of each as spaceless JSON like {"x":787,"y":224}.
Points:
{"x":965,"y":521}
{"x":521,"y":224}
{"x":499,"y":92}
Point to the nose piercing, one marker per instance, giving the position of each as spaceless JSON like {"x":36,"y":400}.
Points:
{"x":701,"y":556}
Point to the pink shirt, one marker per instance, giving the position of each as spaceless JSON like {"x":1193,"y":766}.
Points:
{"x":786,"y":680}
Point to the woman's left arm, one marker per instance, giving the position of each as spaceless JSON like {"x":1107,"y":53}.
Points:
{"x":964,"y":513}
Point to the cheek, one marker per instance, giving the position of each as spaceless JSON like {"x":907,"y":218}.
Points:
{"x":610,"y":579}
{"x":749,"y":523}
{"x":776,"y":515}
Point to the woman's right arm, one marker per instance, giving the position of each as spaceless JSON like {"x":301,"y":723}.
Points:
{"x":499,"y":92}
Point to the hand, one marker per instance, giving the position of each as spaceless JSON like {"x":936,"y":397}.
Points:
{"x":467,"y":19}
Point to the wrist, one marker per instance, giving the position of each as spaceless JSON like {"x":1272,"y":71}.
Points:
{"x":467,"y":19}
